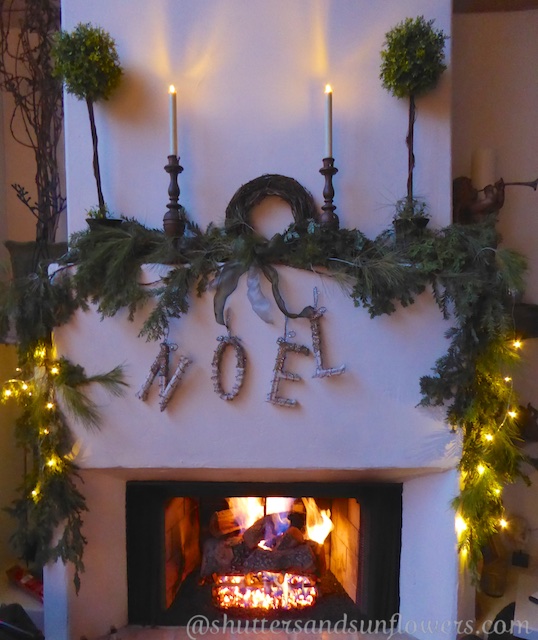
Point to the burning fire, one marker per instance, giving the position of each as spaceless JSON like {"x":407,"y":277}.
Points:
{"x":246,"y":511}
{"x":274,"y":587}
{"x":265,"y":590}
{"x":318,"y":522}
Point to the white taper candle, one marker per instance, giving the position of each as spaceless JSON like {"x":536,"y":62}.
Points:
{"x":173,"y":119}
{"x":328,"y":121}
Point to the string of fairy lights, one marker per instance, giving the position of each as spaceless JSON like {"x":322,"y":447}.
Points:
{"x":38,"y":392}
{"x":483,"y":475}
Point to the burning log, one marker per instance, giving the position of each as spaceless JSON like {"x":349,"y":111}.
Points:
{"x":222,"y":523}
{"x":267,"y":529}
{"x":319,"y":552}
{"x":301,"y":560}
{"x":218,"y":556}
{"x":289,"y":539}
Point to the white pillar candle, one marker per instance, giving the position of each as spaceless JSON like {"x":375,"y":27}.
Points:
{"x":483,"y":168}
{"x":173,"y":119}
{"x":328,"y":121}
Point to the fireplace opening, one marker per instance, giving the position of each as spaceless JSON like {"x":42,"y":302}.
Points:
{"x":321,"y":551}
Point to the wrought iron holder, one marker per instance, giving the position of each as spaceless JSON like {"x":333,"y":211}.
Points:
{"x":173,"y":221}
{"x":328,"y":219}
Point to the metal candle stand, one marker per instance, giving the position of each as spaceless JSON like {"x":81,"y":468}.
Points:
{"x":328,"y":219}
{"x":173,"y":221}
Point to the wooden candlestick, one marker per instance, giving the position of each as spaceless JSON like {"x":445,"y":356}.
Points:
{"x":173,"y":222}
{"x":328,"y":218}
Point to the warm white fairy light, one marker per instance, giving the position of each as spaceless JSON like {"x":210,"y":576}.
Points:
{"x":512,"y":414}
{"x":50,"y":405}
{"x":508,"y":379}
{"x":503,"y":523}
{"x":52,"y":462}
{"x":55,"y":370}
{"x":517,"y":344}
{"x":460,"y":525}
{"x":481,"y":469}
{"x":40,"y":353}
{"x":488,"y":437}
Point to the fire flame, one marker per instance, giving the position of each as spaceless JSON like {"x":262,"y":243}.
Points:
{"x":246,"y":511}
{"x":278,"y":505}
{"x":318,"y":522}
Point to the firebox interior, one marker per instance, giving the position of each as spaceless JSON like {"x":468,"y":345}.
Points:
{"x":182,"y":541}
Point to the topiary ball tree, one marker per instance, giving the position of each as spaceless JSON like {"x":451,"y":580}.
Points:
{"x":87,"y":61}
{"x":412,"y":62}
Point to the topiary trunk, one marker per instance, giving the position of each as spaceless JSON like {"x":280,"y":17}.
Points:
{"x":96,"y":170}
{"x":410,"y":152}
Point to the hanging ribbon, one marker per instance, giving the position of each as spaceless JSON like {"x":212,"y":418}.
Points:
{"x":226,"y":284}
{"x":272,"y":275}
{"x":260,"y":304}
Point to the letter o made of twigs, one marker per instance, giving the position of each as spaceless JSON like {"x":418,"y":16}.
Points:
{"x":240,"y":365}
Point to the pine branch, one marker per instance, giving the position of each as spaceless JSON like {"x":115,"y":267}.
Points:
{"x":77,"y":403}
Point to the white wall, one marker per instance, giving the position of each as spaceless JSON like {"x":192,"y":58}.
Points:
{"x":494,"y":105}
{"x":250,"y":79}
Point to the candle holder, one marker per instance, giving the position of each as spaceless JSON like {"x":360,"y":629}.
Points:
{"x":173,"y":222}
{"x":328,"y":219}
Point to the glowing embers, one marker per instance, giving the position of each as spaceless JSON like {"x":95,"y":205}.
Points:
{"x":264,"y":590}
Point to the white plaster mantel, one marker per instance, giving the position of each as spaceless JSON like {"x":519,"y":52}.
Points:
{"x":366,"y":418}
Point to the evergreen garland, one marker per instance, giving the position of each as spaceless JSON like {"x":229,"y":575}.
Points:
{"x":473,"y":281}
{"x":50,"y":501}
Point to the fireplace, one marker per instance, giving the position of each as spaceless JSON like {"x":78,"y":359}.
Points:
{"x":183,"y":550}
{"x":356,"y":442}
